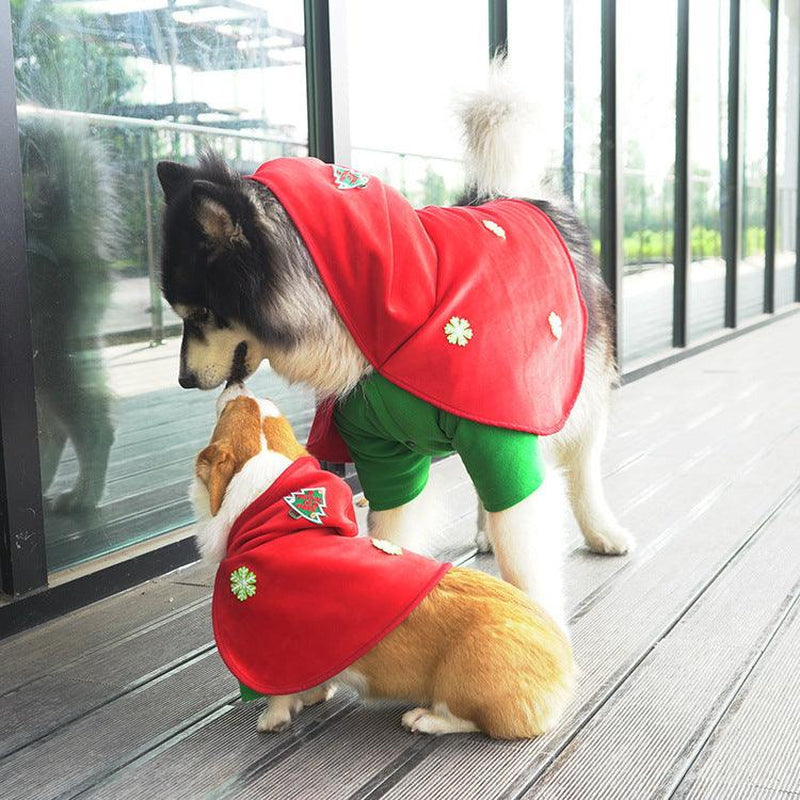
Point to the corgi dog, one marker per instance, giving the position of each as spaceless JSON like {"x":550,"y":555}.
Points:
{"x":302,"y":604}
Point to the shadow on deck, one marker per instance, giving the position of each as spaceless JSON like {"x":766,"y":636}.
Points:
{"x":688,"y":648}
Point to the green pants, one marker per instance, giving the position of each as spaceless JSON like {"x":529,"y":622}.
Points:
{"x":392,"y":436}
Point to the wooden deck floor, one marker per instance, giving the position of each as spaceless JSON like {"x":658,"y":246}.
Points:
{"x":688,"y":649}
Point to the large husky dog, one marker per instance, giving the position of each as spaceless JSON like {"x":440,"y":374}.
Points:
{"x":71,"y":232}
{"x":238,"y":273}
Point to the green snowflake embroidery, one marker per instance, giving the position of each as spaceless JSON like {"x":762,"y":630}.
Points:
{"x":243,"y":583}
{"x":458,"y":331}
{"x":346,"y":178}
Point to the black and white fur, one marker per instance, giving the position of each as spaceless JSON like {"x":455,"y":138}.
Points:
{"x":237,"y":272}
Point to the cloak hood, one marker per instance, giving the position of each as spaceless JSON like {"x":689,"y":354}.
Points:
{"x":476,"y":310}
{"x":299,"y":596}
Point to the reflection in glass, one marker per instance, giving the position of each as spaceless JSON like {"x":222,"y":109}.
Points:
{"x":755,"y":98}
{"x":708,"y":154}
{"x":105,"y":90}
{"x":646,"y":109}
{"x":786,"y":153}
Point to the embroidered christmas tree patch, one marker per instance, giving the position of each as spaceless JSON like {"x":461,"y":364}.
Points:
{"x":346,"y":178}
{"x":243,"y":583}
{"x":308,"y":504}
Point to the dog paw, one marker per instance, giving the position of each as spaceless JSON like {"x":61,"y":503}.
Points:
{"x":74,"y":502}
{"x":411,"y":718}
{"x":318,"y":695}
{"x":278,"y":715}
{"x":611,"y":542}
{"x":482,"y":542}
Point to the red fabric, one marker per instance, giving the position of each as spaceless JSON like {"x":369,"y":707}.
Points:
{"x":324,"y":596}
{"x":397,"y":275}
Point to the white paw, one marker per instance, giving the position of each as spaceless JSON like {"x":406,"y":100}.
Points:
{"x":410,"y":718}
{"x":482,"y":542}
{"x":318,"y":695}
{"x":611,"y":542}
{"x":278,"y":715}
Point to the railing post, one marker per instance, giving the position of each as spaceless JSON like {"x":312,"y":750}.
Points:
{"x":733,"y":171}
{"x":611,"y":185}
{"x":681,"y":236}
{"x":772,"y":182}
{"x":498,"y":28}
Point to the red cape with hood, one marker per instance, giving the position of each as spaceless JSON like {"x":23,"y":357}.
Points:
{"x":299,"y":597}
{"x":476,"y":310}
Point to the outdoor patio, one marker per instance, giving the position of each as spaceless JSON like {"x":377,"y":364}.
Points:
{"x":688,"y":649}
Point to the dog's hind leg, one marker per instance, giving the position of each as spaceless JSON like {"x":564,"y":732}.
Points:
{"x":528,"y":543}
{"x":577,"y":450}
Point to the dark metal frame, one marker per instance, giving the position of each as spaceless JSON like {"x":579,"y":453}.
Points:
{"x":611,"y":187}
{"x":772,"y":180}
{"x":730,"y":235}
{"x":23,"y":570}
{"x":23,"y":566}
{"x":682,"y":252}
{"x":318,"y":80}
{"x":498,"y":27}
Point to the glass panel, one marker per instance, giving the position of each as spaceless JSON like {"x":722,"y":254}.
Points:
{"x":406,"y":64}
{"x":106,"y":88}
{"x":788,"y":135}
{"x":708,"y":153}
{"x":646,"y":38}
{"x":540,"y":44}
{"x":755,"y":77}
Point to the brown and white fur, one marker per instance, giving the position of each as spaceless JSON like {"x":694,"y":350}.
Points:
{"x":476,"y":654}
{"x":238,"y":273}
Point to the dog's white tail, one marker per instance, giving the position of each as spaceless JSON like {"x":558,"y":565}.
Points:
{"x":496,"y":120}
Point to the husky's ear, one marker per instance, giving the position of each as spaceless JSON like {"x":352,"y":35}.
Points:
{"x":212,"y":211}
{"x":215,"y":467}
{"x":173,"y":177}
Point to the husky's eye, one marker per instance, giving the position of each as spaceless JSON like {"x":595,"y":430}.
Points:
{"x":201,"y":315}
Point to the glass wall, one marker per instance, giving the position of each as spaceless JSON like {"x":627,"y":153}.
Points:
{"x":709,"y":24}
{"x":755,"y":100}
{"x":646,"y":60}
{"x":787,"y":135}
{"x":555,"y":48}
{"x":105,"y":89}
{"x":407,"y":63}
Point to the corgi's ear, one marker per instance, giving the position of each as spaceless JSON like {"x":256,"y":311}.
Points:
{"x":280,"y":437}
{"x":218,"y":214}
{"x":215,"y":467}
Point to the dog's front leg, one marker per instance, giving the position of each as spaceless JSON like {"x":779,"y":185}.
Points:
{"x":280,"y":710}
{"x":528,"y":544}
{"x":406,"y":525}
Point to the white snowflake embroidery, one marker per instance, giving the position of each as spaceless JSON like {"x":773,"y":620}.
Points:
{"x":494,"y":228}
{"x":458,"y":331}
{"x":387,"y":547}
{"x":243,"y":583}
{"x":555,"y":324}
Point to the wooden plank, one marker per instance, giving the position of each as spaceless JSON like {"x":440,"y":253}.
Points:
{"x":74,"y":690}
{"x":219,"y":750}
{"x":753,"y":753}
{"x":85,"y":751}
{"x":38,"y":652}
{"x":641,"y":741}
{"x":610,"y":637}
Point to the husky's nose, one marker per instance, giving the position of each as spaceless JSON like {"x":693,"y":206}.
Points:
{"x":188,"y":380}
